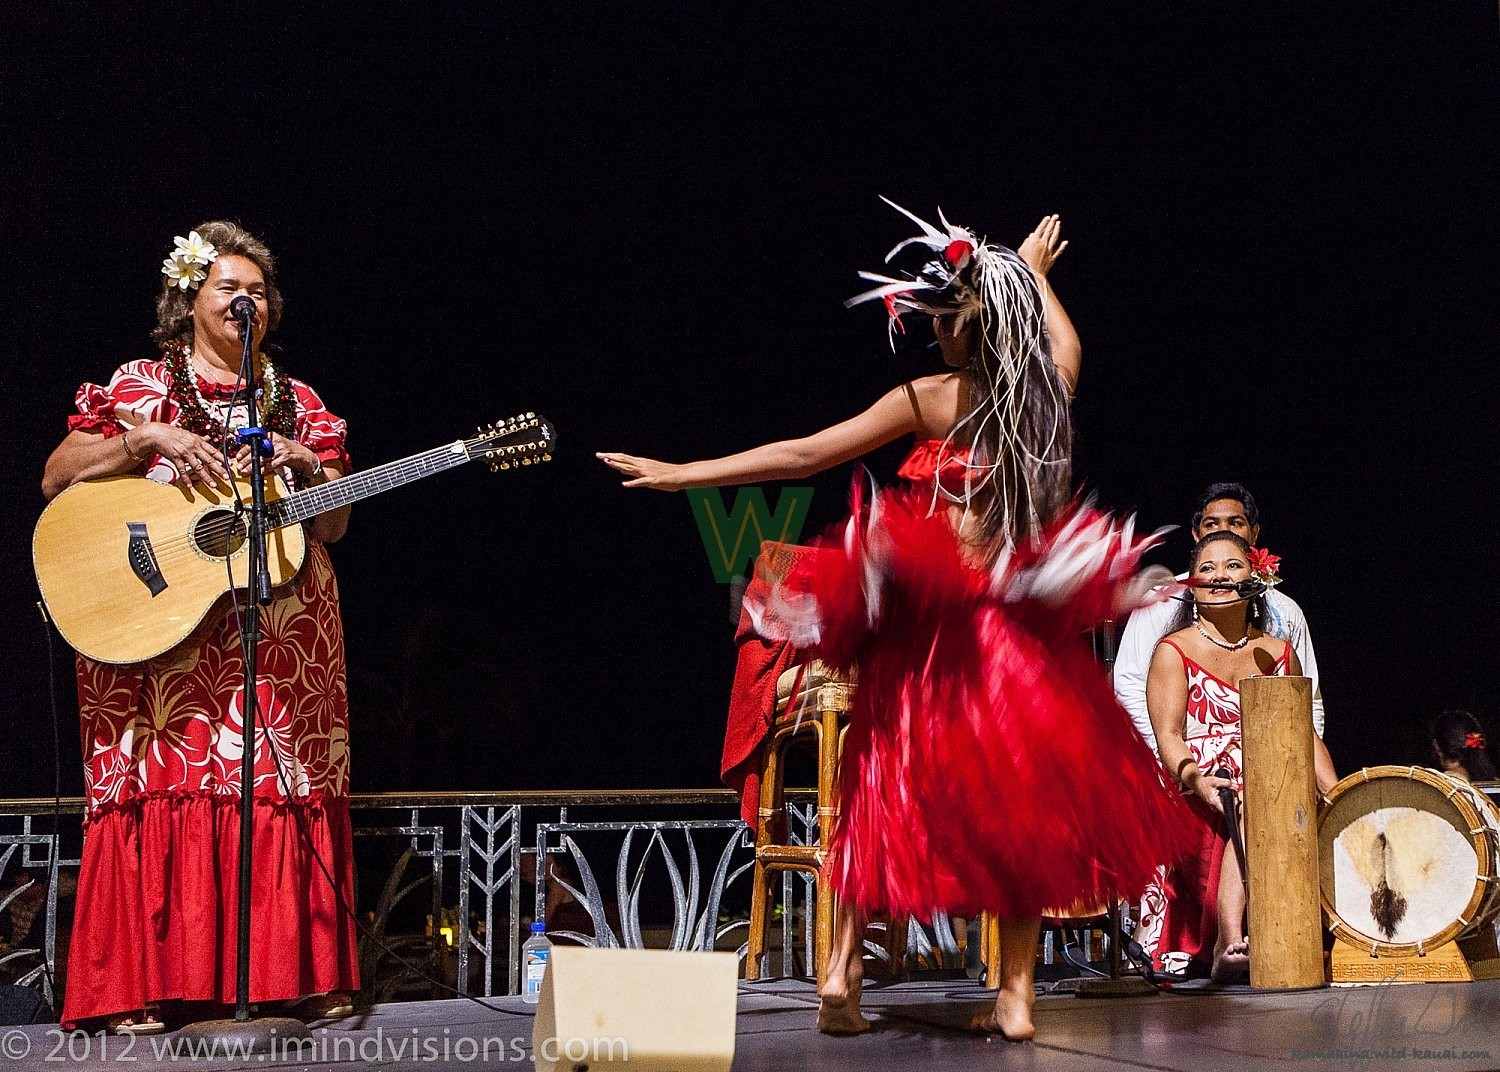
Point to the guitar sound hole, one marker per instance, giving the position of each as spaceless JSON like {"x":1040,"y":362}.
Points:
{"x":219,"y":534}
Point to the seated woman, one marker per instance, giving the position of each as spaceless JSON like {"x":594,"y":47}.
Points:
{"x":1193,"y":698}
{"x":1458,"y":742}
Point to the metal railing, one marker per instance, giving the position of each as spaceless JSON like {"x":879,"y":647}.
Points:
{"x":476,"y":852}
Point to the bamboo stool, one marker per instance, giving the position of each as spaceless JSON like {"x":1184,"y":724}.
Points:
{"x":820,"y":712}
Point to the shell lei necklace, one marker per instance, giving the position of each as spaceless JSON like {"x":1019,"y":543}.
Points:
{"x":1236,"y":646}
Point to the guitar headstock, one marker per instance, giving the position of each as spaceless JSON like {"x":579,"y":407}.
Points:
{"x":525,"y":439}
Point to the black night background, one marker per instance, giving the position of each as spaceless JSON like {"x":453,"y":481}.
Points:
{"x":641,"y":221}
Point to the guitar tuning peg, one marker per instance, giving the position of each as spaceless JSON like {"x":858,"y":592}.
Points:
{"x":525,"y":461}
{"x":505,"y":465}
{"x":546,"y":457}
{"x":494,"y":468}
{"x":489,"y":454}
{"x":529,"y":416}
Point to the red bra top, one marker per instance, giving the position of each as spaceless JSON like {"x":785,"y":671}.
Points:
{"x":921,"y":465}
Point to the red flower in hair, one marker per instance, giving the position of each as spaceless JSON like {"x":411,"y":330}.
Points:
{"x":1263,"y":562}
{"x":958,"y":252}
{"x":1473,"y":740}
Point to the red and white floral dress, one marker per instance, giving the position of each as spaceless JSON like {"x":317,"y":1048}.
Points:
{"x":158,"y":885}
{"x":1179,"y":912}
{"x":987,"y":765}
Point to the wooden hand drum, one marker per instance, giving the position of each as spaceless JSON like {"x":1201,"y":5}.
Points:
{"x":1408,"y":861}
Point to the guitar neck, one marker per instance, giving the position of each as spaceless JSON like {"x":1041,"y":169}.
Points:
{"x":330,"y":496}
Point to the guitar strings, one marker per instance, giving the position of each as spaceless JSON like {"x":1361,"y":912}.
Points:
{"x":396,"y":473}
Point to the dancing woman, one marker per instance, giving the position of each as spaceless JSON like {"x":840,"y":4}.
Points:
{"x":961,"y":598}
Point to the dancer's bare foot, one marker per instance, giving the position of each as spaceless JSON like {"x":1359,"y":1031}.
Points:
{"x":838,"y":1004}
{"x":1232,"y":963}
{"x":842,"y":1018}
{"x":1011,"y":1017}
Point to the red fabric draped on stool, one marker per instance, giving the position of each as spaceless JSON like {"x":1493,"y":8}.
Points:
{"x":752,"y":706}
{"x":752,"y":697}
{"x":160,"y":878}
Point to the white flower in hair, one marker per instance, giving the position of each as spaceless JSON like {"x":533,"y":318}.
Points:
{"x":185,"y":273}
{"x":190,"y":256}
{"x":194,"y":249}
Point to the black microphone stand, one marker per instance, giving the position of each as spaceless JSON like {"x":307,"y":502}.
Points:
{"x":245,"y":1032}
{"x":1231,"y":816}
{"x":258,"y":578}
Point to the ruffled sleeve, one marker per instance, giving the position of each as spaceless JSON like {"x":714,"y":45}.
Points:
{"x":319,"y":430}
{"x":136,"y":393}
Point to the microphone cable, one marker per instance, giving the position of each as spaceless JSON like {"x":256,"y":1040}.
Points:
{"x":56,"y":853}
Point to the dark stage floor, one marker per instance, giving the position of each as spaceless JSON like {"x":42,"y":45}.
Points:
{"x":918,"y":1025}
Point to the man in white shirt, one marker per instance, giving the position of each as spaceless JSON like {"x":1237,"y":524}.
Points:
{"x":1222,"y":506}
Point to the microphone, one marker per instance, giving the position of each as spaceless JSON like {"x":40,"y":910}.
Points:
{"x":1226,"y":795}
{"x":242,"y":309}
{"x":1246,"y":589}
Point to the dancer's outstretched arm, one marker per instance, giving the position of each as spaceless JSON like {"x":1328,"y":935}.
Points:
{"x":791,"y":459}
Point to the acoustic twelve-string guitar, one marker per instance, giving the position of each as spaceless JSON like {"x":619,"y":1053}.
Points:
{"x":128,"y":566}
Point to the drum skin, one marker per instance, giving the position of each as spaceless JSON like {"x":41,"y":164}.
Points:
{"x":1408,"y":859}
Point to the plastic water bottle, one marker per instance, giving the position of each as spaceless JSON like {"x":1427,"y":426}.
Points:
{"x":535,"y":954}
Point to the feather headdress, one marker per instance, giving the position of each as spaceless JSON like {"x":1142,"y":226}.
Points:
{"x":1019,"y":432}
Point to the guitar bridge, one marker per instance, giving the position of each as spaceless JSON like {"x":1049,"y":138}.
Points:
{"x":143,"y":558}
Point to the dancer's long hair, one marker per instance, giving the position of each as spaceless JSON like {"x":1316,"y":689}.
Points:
{"x":1019,"y":430}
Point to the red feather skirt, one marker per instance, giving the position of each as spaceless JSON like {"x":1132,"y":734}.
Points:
{"x":987,"y":765}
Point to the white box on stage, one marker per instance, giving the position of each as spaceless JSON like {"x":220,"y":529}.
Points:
{"x":649,"y":1010}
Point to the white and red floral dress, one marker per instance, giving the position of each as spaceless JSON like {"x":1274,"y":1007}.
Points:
{"x":1179,"y":911}
{"x":157,"y":889}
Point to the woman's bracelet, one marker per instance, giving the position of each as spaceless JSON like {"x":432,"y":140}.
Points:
{"x":317,"y":467}
{"x":125,"y":442}
{"x":1186,"y":760}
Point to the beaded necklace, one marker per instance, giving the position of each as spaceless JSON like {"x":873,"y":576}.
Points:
{"x":1236,"y":646}
{"x":195,"y":411}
